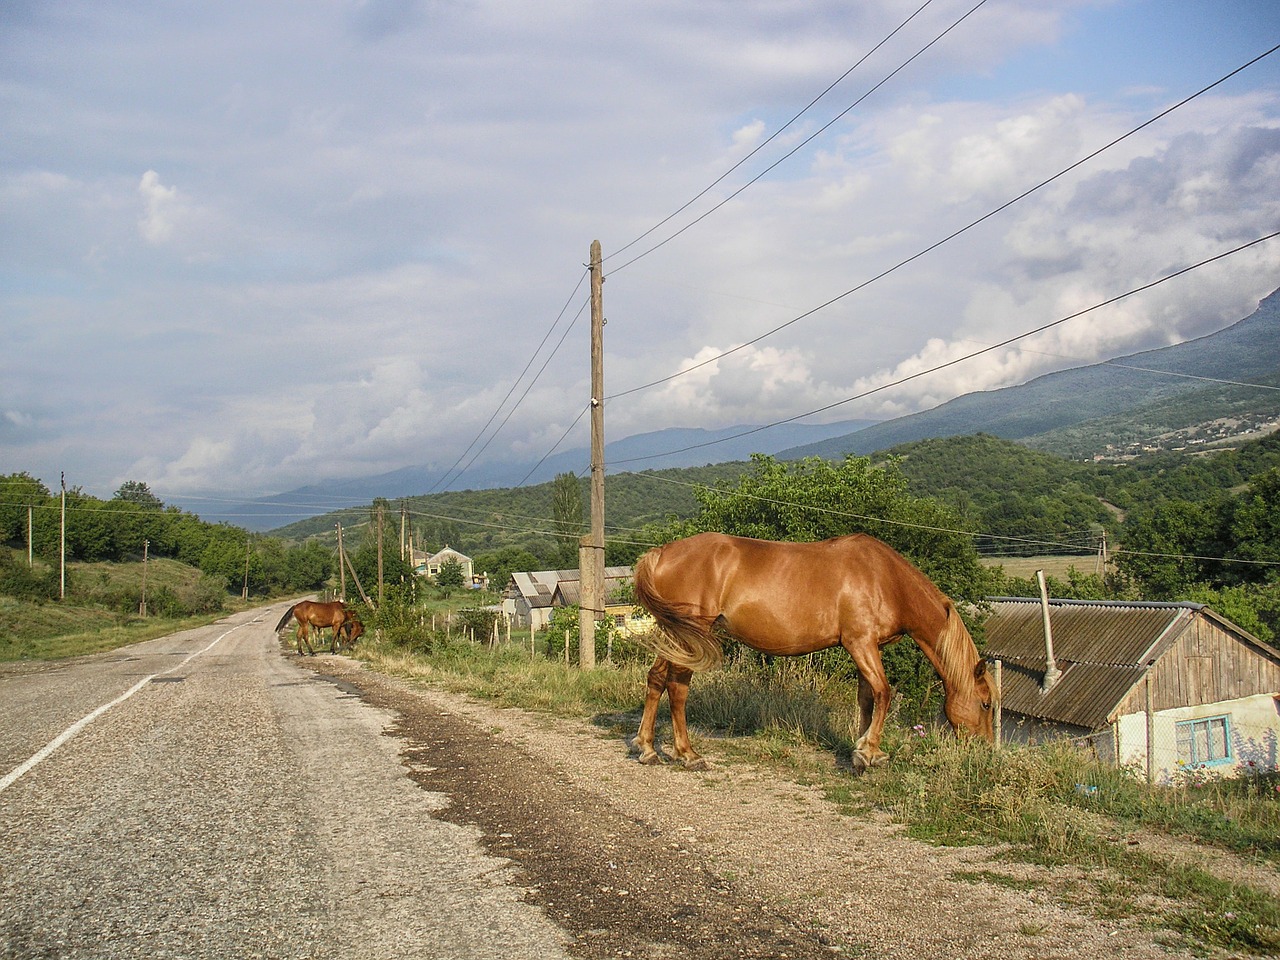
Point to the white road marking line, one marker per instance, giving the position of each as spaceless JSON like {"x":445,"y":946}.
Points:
{"x":40,"y":755}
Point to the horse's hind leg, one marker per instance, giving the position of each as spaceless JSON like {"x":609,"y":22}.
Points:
{"x":678,"y":693}
{"x":304,"y":634}
{"x":654,"y":685}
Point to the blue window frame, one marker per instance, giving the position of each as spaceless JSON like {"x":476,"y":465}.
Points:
{"x":1206,"y":741}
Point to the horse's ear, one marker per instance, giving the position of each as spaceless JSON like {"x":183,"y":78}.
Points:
{"x":980,"y":670}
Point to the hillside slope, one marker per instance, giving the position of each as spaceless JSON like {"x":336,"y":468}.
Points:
{"x":1248,"y":350}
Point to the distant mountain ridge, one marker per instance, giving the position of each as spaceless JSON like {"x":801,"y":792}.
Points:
{"x":660,"y":449}
{"x":1247,"y":350}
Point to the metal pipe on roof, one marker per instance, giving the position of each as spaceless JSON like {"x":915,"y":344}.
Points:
{"x":1051,"y":672}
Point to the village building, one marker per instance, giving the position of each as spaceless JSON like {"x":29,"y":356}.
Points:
{"x":530,"y":598}
{"x":1162,"y":688}
{"x":428,"y":565}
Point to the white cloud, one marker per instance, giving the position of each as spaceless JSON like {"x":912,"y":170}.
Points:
{"x":161,"y":208}
{"x":374,"y":212}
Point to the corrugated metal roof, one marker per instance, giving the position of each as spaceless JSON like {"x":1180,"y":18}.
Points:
{"x":1102,"y":649}
{"x":539,"y":586}
{"x":570,"y":591}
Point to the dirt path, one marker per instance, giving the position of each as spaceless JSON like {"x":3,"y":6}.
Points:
{"x":660,"y":862}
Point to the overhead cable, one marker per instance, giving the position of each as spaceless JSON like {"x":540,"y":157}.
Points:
{"x":803,"y":143}
{"x":773,"y":136}
{"x":949,"y":237}
{"x":962,"y":359}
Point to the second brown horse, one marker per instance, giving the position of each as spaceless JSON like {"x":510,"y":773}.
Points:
{"x":333,"y":615}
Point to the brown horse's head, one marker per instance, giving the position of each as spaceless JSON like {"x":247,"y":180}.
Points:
{"x":973,"y":711}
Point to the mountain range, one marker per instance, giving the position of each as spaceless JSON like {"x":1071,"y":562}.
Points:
{"x":1247,"y":351}
{"x":660,"y":449}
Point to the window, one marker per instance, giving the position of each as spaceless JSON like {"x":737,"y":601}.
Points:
{"x":1204,"y":741}
{"x":620,"y":621}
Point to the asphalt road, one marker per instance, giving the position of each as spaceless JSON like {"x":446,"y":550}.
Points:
{"x":229,"y":802}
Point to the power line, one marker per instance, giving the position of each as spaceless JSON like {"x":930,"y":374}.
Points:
{"x":532,"y":382}
{"x":1026,"y":541}
{"x":514,"y":384}
{"x":968,"y":356}
{"x":773,"y":136}
{"x":803,"y":143}
{"x":949,"y":237}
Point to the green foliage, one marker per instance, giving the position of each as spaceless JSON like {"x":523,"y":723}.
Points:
{"x":133,"y":520}
{"x":612,"y":646}
{"x":23,"y":583}
{"x":567,"y":516}
{"x":501,"y":564}
{"x":450,"y":576}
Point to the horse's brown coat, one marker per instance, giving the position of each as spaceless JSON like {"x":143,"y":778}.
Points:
{"x":795,"y":598}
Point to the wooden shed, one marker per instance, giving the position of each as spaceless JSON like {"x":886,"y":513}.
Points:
{"x":530,"y":597}
{"x":1162,"y":687}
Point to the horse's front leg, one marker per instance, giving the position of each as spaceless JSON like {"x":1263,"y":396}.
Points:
{"x":654,"y":685}
{"x":874,"y":697}
{"x":677,"y":694}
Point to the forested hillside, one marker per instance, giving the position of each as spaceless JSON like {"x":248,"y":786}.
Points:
{"x":132,"y":523}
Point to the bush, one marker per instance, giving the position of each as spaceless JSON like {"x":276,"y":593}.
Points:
{"x":23,"y":583}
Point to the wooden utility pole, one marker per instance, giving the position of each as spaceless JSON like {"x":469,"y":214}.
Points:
{"x":381,"y":518}
{"x":244,"y":594}
{"x":342,"y":567}
{"x":62,"y":550}
{"x":142,"y":605}
{"x":592,"y":554}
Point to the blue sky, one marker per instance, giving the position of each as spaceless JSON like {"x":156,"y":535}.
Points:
{"x":247,"y":245}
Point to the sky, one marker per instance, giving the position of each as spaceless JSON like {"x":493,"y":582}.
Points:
{"x":251,"y":245}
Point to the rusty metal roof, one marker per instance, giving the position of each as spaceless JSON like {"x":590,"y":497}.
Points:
{"x":1102,"y":648}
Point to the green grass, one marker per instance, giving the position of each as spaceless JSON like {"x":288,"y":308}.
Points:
{"x":100,"y":610}
{"x":1024,"y":800}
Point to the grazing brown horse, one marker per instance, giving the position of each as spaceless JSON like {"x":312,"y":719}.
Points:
{"x":794,"y":598}
{"x":333,"y":615}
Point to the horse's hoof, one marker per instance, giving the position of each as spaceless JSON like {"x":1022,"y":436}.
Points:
{"x":697,"y":763}
{"x":650,"y":759}
{"x":863,"y":762}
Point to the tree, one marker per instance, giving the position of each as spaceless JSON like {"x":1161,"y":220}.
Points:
{"x":501,"y":564}
{"x":566,"y":510}
{"x":18,"y":491}
{"x":814,"y":499}
{"x":139,"y":494}
{"x":1161,"y":546}
{"x":1254,"y":529}
{"x":450,"y":576}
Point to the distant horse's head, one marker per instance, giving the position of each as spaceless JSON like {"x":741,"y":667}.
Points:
{"x":972,"y":711}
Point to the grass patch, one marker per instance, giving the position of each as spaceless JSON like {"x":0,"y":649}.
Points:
{"x":100,"y":611}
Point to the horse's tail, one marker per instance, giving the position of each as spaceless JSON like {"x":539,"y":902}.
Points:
{"x":680,"y":639}
{"x":285,"y":619}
